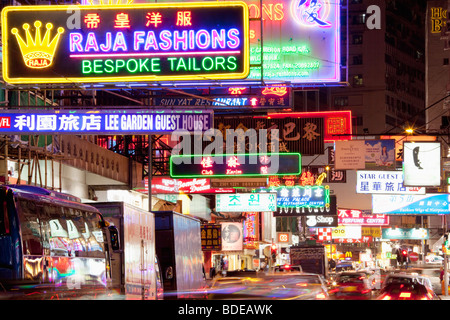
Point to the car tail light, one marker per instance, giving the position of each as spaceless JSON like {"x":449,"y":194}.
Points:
{"x":365,"y":291}
{"x":333,"y":290}
{"x":321,"y":296}
{"x":386,"y":297}
{"x":428,"y":296}
{"x":405,"y":295}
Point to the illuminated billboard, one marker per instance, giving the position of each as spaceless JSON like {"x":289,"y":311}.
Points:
{"x":411,"y":203}
{"x":142,"y":42}
{"x":300,"y":40}
{"x":104,"y":121}
{"x":243,"y":202}
{"x":422,"y":163}
{"x":234,"y":165}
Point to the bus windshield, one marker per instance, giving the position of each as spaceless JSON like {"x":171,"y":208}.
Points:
{"x":60,"y":231}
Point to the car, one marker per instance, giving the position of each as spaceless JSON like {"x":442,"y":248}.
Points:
{"x":270,"y":286}
{"x":434,"y":259}
{"x":344,"y":266}
{"x":400,"y":286}
{"x":351,"y":285}
{"x":288,"y":268}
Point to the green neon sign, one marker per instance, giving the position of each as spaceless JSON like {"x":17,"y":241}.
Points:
{"x":234,"y":165}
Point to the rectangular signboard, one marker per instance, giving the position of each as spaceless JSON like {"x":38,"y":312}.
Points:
{"x":232,"y":236}
{"x":422,"y":163}
{"x":104,"y":121}
{"x":229,"y":165}
{"x":164,"y":184}
{"x":356,"y":217}
{"x":245,"y":202}
{"x":411,"y":204}
{"x":329,"y":209}
{"x":337,"y":124}
{"x":211,"y":236}
{"x":113,"y":43}
{"x":387,"y":182}
{"x":321,"y":221}
{"x":346,"y":232}
{"x":400,"y":233}
{"x":301,"y":40}
{"x":302,"y":196}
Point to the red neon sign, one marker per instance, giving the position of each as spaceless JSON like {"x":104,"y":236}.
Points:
{"x":356,"y":217}
{"x":338,"y":124}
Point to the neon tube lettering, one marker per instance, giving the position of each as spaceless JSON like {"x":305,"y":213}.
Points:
{"x":107,"y":46}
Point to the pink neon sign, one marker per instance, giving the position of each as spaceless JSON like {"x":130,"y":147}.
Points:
{"x":357,"y":217}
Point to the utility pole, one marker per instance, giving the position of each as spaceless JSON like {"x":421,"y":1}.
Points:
{"x":445,"y":262}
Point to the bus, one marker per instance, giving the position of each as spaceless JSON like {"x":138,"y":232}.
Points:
{"x":50,"y":244}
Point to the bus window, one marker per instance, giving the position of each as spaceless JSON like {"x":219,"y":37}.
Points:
{"x":4,"y":220}
{"x":30,"y":228}
{"x":93,"y":234}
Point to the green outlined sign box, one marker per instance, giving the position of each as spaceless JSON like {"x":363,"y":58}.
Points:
{"x":234,"y":165}
{"x":129,"y":43}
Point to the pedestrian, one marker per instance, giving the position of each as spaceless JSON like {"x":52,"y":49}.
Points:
{"x":212,"y":272}
{"x":441,"y":276}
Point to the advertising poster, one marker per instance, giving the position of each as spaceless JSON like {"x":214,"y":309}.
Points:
{"x":411,"y":204}
{"x":232,"y":236}
{"x":380,"y":154}
{"x":407,"y":234}
{"x":350,"y":154}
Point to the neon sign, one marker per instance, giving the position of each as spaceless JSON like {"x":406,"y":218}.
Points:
{"x":358,"y":218}
{"x":104,"y":121}
{"x":302,"y":196}
{"x":242,"y":202}
{"x":293,"y":48}
{"x":182,"y":41}
{"x":237,"y":165}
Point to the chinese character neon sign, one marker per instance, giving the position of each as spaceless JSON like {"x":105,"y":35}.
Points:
{"x":143,"y":42}
{"x":227,"y":165}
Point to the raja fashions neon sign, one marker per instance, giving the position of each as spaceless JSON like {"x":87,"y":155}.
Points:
{"x":143,"y":42}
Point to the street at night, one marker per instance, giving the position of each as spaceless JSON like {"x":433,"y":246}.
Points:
{"x":225,"y":159}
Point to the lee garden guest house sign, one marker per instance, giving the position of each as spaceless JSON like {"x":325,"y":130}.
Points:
{"x":142,"y":42}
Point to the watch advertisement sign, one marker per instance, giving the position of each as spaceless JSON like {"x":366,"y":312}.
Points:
{"x":232,"y":236}
{"x":422,"y":163}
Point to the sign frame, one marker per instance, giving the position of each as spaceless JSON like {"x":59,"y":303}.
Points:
{"x":269,"y":199}
{"x":101,"y":121}
{"x":222,"y":160}
{"x":50,"y":12}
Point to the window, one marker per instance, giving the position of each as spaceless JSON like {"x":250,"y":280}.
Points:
{"x":4,"y":218}
{"x":357,"y":80}
{"x":357,"y":39}
{"x":30,"y":228}
{"x":70,"y":232}
{"x":358,"y":59}
{"x":357,"y":121}
{"x":445,"y":63}
{"x":359,"y":19}
{"x":341,"y":101}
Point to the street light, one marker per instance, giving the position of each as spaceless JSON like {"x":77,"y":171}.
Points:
{"x":409,"y":130}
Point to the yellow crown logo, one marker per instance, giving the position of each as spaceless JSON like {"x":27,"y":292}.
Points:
{"x":38,"y":53}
